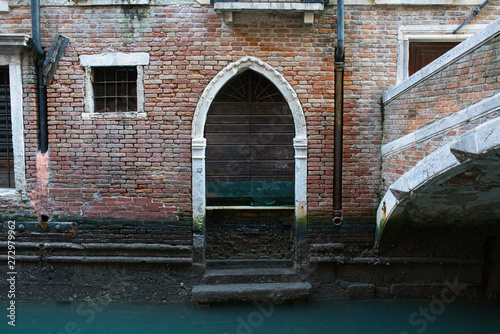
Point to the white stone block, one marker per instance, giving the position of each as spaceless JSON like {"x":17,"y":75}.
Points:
{"x":4,"y":7}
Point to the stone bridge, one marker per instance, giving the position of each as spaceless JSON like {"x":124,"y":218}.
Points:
{"x":441,"y":152}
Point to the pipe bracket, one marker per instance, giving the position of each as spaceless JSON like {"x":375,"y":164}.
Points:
{"x":338,"y":218}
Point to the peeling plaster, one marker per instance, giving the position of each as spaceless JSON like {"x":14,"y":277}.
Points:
{"x":40,"y":195}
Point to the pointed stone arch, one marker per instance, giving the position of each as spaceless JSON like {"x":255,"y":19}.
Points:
{"x":199,"y":142}
{"x":232,"y":70}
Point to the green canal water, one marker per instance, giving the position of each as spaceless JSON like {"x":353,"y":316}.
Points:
{"x":345,"y":316}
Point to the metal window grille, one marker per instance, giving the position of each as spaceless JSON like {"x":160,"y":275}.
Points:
{"x":6,"y":148}
{"x":115,"y":89}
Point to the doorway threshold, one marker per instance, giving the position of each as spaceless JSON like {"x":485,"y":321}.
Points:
{"x":250,"y":207}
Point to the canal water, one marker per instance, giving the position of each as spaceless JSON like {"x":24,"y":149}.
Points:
{"x":342,"y":317}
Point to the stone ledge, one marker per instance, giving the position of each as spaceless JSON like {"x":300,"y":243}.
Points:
{"x":100,"y":252}
{"x":13,"y":44}
{"x":251,"y":292}
{"x":58,"y":3}
{"x":386,"y":261}
{"x":10,"y":194}
{"x":4,"y":6}
{"x":394,"y":2}
{"x":274,"y":6}
{"x":242,"y":264}
{"x":120,"y":259}
{"x":110,"y":2}
{"x":249,"y":275}
{"x":114,"y":115}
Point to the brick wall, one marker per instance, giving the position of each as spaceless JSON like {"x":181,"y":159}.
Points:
{"x":250,"y":234}
{"x":138,"y":168}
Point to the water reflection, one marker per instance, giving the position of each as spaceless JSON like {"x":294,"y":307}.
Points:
{"x":339,"y":317}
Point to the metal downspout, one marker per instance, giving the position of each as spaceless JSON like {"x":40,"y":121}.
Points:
{"x":42,"y":89}
{"x":339,"y":114}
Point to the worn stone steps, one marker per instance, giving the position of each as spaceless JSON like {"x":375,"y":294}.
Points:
{"x":250,"y":275}
{"x":203,"y":294}
{"x":250,"y":280}
{"x":243,"y":264}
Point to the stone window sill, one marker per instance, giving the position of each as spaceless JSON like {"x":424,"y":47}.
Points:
{"x":239,"y":6}
{"x":10,"y":194}
{"x":110,"y":2}
{"x":248,"y":207}
{"x":394,"y":2}
{"x":411,"y":2}
{"x":115,"y":115}
{"x":4,"y":6}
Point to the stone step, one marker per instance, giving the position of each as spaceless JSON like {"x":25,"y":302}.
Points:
{"x":243,"y":264}
{"x":249,"y":275}
{"x":251,"y":292}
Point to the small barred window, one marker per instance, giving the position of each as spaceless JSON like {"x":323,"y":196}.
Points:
{"x":115,"y":89}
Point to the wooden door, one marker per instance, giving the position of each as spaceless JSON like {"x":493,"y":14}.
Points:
{"x":422,"y":54}
{"x":250,"y":155}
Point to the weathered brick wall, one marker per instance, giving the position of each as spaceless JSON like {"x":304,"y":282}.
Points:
{"x":116,"y":231}
{"x":139,"y":168}
{"x":250,"y":234}
{"x":468,"y":80}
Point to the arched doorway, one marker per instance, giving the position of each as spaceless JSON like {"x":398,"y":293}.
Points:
{"x":249,"y":171}
{"x":200,"y":149}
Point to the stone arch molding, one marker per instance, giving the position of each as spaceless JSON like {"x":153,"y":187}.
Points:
{"x":199,"y":142}
{"x":257,"y":65}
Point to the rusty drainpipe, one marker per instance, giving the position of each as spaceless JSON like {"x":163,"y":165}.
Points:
{"x":338,"y":118}
{"x":42,"y":89}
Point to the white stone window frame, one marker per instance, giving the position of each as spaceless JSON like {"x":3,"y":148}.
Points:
{"x":4,"y":6}
{"x":116,"y":59}
{"x":17,"y":119}
{"x":427,"y":33}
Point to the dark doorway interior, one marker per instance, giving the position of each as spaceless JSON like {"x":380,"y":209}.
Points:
{"x":6,"y":147}
{"x":249,"y":172}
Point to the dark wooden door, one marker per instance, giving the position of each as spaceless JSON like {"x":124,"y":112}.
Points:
{"x":250,"y":155}
{"x":422,"y":54}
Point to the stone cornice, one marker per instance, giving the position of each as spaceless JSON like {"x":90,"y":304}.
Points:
{"x":14,"y":44}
